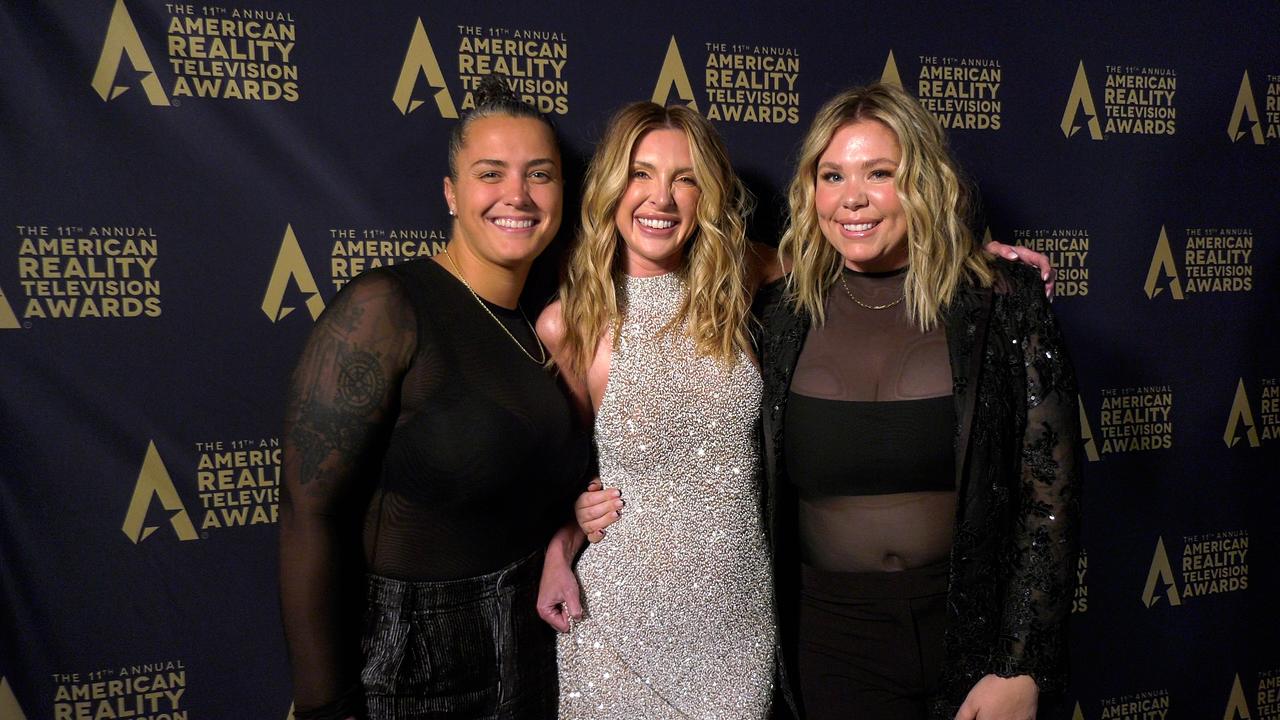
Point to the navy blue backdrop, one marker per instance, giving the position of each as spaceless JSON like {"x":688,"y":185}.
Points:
{"x":183,"y":187}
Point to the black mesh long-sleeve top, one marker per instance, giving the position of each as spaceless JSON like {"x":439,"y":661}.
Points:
{"x":869,"y":433}
{"x":421,"y":444}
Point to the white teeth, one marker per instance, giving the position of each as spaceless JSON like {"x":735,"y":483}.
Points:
{"x":859,"y":227}
{"x":513,"y":224}
{"x":656,"y":224}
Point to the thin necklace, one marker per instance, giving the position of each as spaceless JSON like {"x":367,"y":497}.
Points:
{"x":533,"y":332}
{"x":886,"y":306}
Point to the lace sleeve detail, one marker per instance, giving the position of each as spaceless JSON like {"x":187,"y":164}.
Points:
{"x":1046,"y":529}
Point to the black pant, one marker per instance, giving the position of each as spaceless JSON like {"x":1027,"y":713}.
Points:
{"x":472,"y":648}
{"x":871,"y":644}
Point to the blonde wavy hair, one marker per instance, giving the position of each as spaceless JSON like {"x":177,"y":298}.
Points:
{"x":941,"y":251}
{"x":716,"y":305}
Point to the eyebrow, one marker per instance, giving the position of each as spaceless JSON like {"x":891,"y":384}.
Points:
{"x":491,"y":162}
{"x":868,"y":163}
{"x":865,"y":163}
{"x":651,"y":166}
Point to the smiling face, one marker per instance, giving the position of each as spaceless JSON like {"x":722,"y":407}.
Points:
{"x":508,"y":194}
{"x":857,"y":204}
{"x":658,"y":211}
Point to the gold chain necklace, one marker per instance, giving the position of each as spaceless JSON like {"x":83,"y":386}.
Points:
{"x":533,"y":332}
{"x":886,"y":306}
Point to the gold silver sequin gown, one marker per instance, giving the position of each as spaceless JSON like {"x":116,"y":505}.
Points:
{"x":680,"y":620}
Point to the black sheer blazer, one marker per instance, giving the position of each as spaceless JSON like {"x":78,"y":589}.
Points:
{"x":1017,"y":476}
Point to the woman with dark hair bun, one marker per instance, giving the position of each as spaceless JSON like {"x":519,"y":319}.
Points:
{"x":430,"y":454}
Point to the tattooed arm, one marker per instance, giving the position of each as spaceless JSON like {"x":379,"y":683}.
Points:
{"x":343,"y":400}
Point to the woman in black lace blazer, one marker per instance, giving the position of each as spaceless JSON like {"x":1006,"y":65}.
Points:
{"x":920,"y":436}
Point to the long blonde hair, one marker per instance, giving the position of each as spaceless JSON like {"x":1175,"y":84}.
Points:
{"x":941,"y":250}
{"x":714,"y":270}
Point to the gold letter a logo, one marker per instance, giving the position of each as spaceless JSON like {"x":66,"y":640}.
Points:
{"x":9,"y":707}
{"x":8,"y":321}
{"x":1160,"y":572}
{"x":890,"y":76}
{"x":421,"y":60}
{"x":290,"y":263}
{"x":1240,"y":412}
{"x":1086,"y":433}
{"x":122,"y":39}
{"x":1237,"y":706}
{"x":154,"y":481}
{"x":1246,"y":109}
{"x":1162,"y":263}
{"x":1080,"y":98}
{"x":673,"y":74}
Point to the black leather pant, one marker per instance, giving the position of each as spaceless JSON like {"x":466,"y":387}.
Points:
{"x":470,"y":648}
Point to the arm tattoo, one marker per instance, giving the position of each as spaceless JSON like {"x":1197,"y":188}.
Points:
{"x":322,"y":431}
{"x":338,"y":395}
{"x":361,"y":382}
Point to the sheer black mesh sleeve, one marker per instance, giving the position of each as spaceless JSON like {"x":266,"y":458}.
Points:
{"x":342,"y":403}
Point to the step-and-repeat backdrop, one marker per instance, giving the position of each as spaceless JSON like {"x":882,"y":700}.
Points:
{"x":185,"y":185}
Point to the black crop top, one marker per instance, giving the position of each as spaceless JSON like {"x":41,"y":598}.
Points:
{"x":850,"y":447}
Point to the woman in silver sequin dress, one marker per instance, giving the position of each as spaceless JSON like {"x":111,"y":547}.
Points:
{"x":650,"y":334}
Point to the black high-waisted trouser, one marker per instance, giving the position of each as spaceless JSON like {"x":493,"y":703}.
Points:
{"x":871,"y":644}
{"x":470,"y":648}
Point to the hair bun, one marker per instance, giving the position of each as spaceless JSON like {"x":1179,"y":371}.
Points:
{"x":492,"y":97}
{"x":495,"y":92}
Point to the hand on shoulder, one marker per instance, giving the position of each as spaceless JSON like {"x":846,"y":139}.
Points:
{"x":1026,"y":256}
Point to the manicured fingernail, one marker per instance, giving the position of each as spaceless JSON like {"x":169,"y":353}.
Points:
{"x":1011,"y":255}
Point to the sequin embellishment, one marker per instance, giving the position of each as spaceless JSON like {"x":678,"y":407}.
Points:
{"x":679,"y":600}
